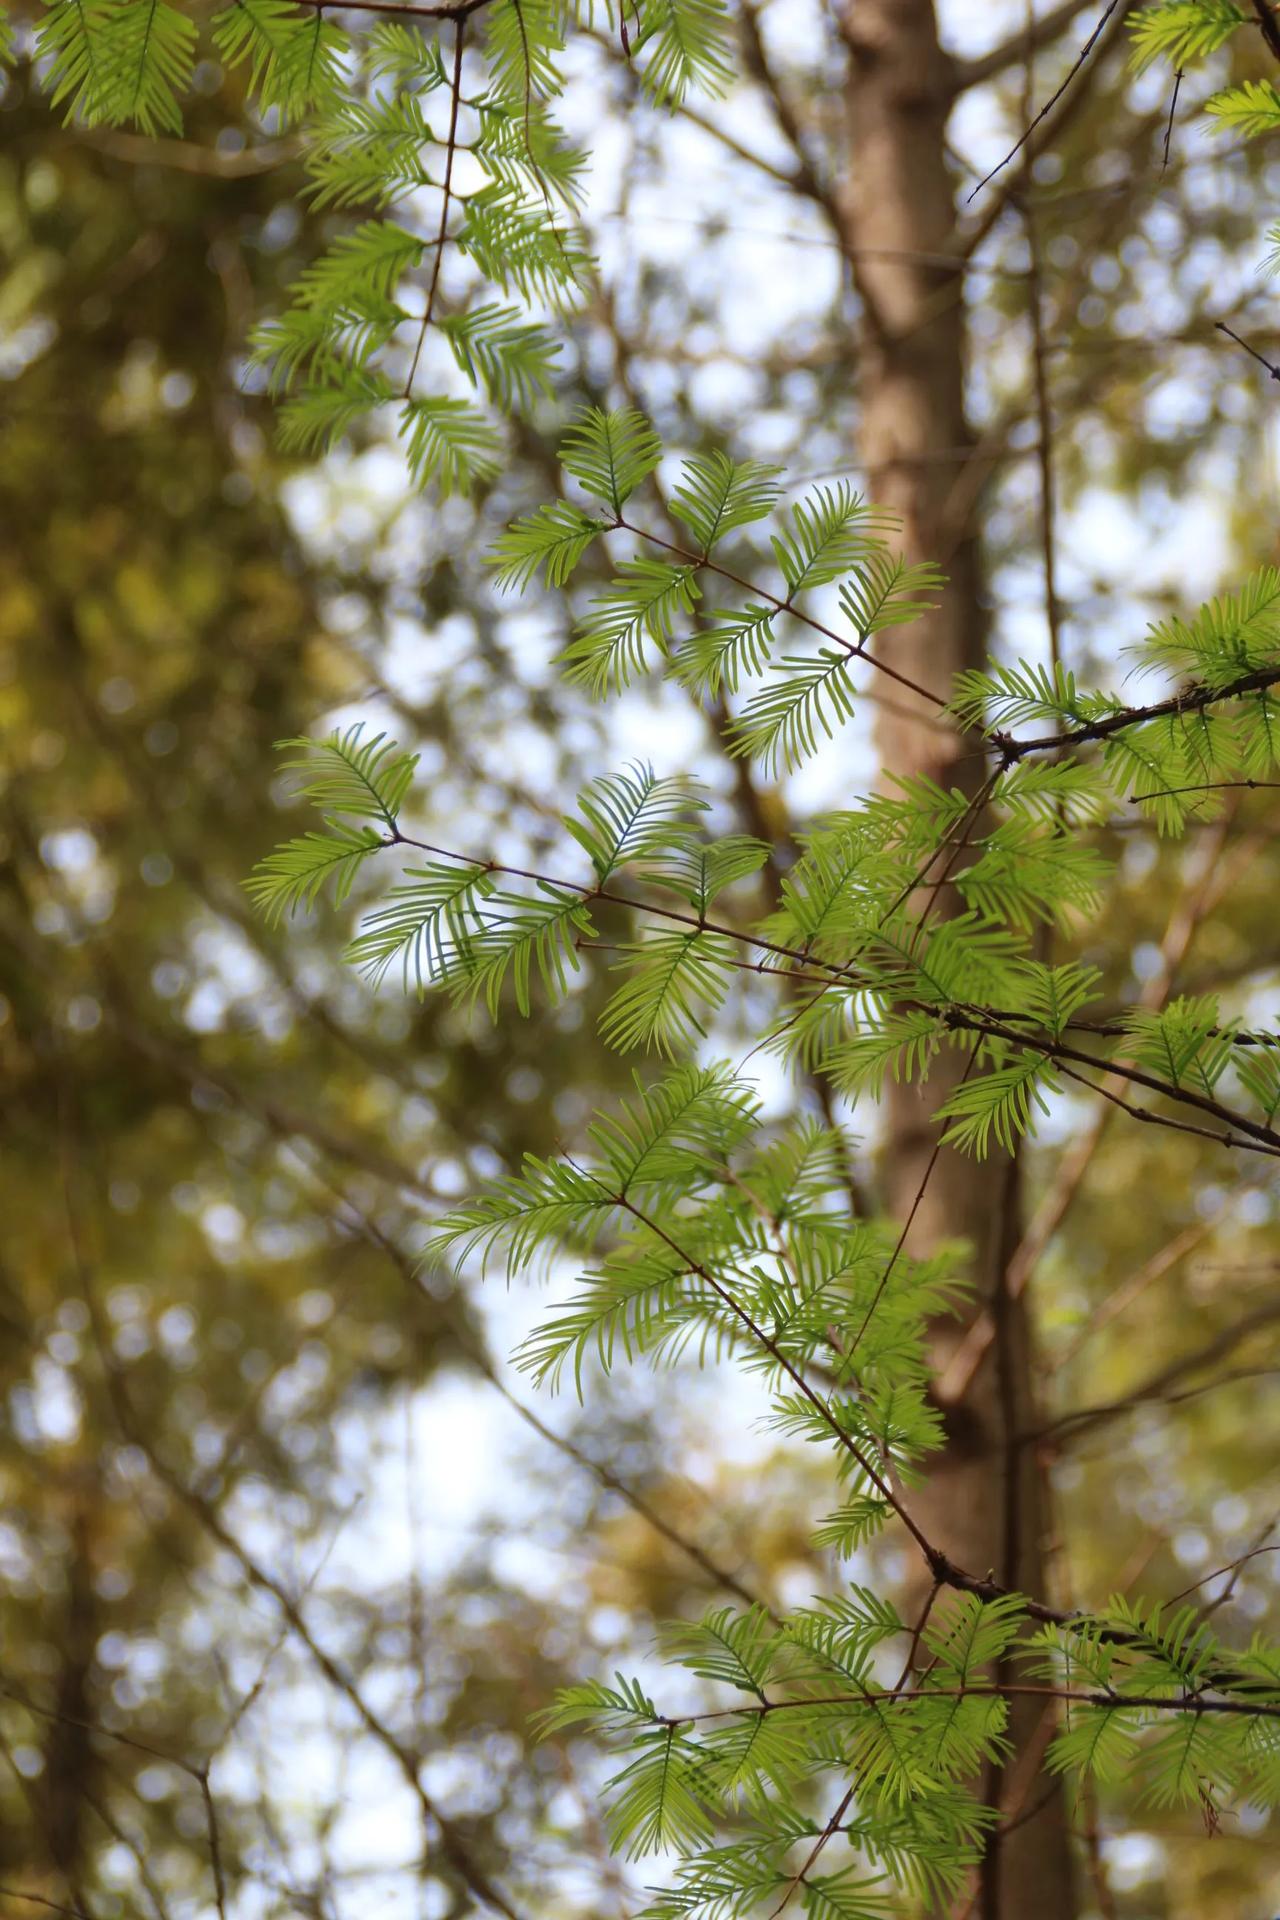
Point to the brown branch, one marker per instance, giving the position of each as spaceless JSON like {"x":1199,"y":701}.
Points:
{"x":397,"y":9}
{"x":451,"y":148}
{"x":1194,"y":699}
{"x":1269,"y":25}
{"x":1196,"y":1703}
{"x":1270,"y":365}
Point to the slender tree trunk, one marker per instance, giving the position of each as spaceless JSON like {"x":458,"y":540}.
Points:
{"x":897,"y":212}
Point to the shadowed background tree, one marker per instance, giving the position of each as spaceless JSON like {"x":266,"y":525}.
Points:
{"x":207,"y":1123}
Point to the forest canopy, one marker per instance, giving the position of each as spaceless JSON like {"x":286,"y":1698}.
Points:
{"x":640,"y":671}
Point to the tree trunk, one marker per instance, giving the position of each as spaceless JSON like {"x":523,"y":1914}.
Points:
{"x":984,"y":1503}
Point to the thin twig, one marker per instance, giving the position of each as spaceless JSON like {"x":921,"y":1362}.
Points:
{"x":1052,"y":102}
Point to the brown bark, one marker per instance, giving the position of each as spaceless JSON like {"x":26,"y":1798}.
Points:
{"x":984,"y":1504}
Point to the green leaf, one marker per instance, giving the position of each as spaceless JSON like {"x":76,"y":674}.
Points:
{"x":314,"y":417}
{"x":715,"y":496}
{"x":883,"y":591}
{"x":714,"y":658}
{"x":329,"y":347}
{"x":904,"y":1046}
{"x":74,"y":38}
{"x":1012,"y":696}
{"x":849,"y":1528}
{"x":294,"y":54}
{"x":546,"y":1204}
{"x":496,"y":349}
{"x":999,"y":1103}
{"x":517,"y":244}
{"x":1183,"y":31}
{"x":369,"y":262}
{"x":676,"y":980}
{"x":555,"y":538}
{"x":525,"y":936}
{"x":520,"y":148}
{"x":847,"y":1895}
{"x":611,"y":645}
{"x":294,"y":875}
{"x":1182,"y":1043}
{"x":430,"y":923}
{"x":684,"y":44}
{"x":524,"y":40}
{"x":368,"y":152}
{"x":832,"y":530}
{"x":365,"y":779}
{"x":967,"y":1634}
{"x":152,"y":56}
{"x":656,"y":1804}
{"x":1250,"y":110}
{"x":1230,"y":636}
{"x":739,"y":1649}
{"x":801,"y":704}
{"x":701,"y":871}
{"x":405,"y":55}
{"x":450,"y":442}
{"x":676,"y":1129}
{"x":610,"y":454}
{"x":633,"y":817}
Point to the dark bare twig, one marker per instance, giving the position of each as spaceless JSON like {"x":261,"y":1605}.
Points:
{"x":1050,"y":104}
{"x":1173,"y":108}
{"x":1270,"y":365}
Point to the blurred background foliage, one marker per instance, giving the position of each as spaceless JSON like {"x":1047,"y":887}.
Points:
{"x":222,"y":1382}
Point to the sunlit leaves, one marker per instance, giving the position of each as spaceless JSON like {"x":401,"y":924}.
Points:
{"x":553,"y":538}
{"x":633,"y":817}
{"x":365,"y":778}
{"x":368,"y":153}
{"x":1000,"y":1104}
{"x":802,"y":703}
{"x":883,"y":591}
{"x":118,"y":60}
{"x":430,"y":924}
{"x":692,"y":1225}
{"x":450,"y":442}
{"x":831,"y":531}
{"x":626,"y":626}
{"x":1011,"y":696}
{"x":682,"y":45}
{"x":1228,"y":637}
{"x":1250,"y":110}
{"x":517,"y":245}
{"x":1183,"y":1043}
{"x":675,"y":983}
{"x":74,"y":38}
{"x":293,"y":53}
{"x":609,"y":454}
{"x":715,"y":496}
{"x":1182,"y":31}
{"x":294,"y":875}
{"x":512,"y":360}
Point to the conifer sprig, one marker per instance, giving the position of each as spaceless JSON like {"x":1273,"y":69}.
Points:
{"x":697,"y":1227}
